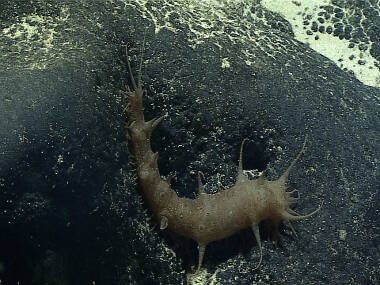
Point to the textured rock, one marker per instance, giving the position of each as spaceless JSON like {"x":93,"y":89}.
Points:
{"x":222,"y":72}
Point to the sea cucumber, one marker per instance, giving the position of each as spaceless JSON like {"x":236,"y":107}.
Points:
{"x":208,"y":217}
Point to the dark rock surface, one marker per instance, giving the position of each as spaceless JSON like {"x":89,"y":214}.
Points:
{"x":70,"y":211}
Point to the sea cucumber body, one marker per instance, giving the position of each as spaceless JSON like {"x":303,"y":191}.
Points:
{"x":208,"y":217}
{"x":212,"y":217}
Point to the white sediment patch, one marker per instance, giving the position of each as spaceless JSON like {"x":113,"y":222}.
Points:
{"x":31,"y":39}
{"x":328,"y":45}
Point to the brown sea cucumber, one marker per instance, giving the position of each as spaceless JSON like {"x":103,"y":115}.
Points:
{"x":208,"y":217}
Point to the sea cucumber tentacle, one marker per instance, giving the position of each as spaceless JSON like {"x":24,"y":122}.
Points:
{"x":285,"y":175}
{"x":201,"y":253}
{"x":289,"y":224}
{"x":256,"y":232}
{"x":163,"y":223}
{"x":201,"y":188}
{"x":290,"y":217}
{"x":294,"y":213}
{"x":152,"y":124}
{"x":241,"y":177}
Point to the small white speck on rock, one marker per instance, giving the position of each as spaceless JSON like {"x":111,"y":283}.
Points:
{"x":342,"y":234}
